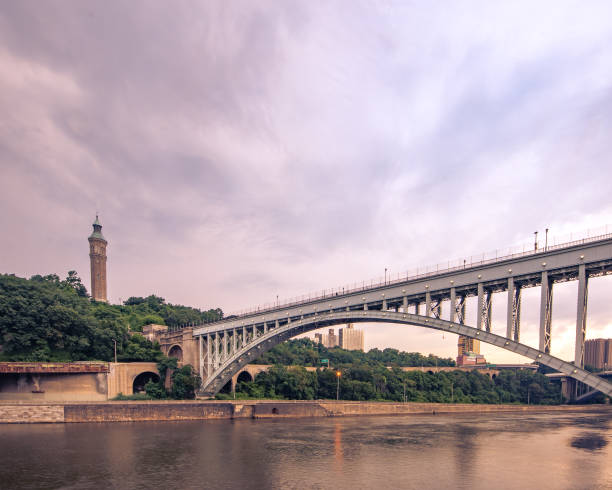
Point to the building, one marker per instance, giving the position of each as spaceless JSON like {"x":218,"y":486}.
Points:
{"x":468,"y":352}
{"x":328,"y":340}
{"x":97,"y":258}
{"x":351,"y":339}
{"x":598,"y":353}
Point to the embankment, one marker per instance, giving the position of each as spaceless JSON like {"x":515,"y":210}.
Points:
{"x":130,"y":411}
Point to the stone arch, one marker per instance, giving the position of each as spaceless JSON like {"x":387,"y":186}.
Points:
{"x":265,"y":342}
{"x":244,"y":376}
{"x":176,"y":351}
{"x":142,"y":379}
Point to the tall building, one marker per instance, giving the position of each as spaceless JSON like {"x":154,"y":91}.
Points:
{"x":468,"y":352}
{"x":97,"y":259}
{"x":467,"y":344}
{"x":351,"y":339}
{"x":598,"y":353}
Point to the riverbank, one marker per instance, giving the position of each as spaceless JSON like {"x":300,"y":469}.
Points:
{"x":136,"y":411}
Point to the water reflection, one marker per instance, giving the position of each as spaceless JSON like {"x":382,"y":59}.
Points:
{"x":589,"y":442}
{"x":548,"y":450}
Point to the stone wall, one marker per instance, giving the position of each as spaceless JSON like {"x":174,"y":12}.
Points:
{"x":31,"y":414}
{"x":203,"y":410}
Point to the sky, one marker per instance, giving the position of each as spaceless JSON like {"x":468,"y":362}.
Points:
{"x":236,"y":151}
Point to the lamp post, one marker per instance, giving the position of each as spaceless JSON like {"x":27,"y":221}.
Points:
{"x":546,"y":241}
{"x":115,"y":350}
{"x":338,"y":374}
{"x":385,"y":275}
{"x":535,"y":245}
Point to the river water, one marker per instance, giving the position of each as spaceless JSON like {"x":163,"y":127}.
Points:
{"x":475,"y":451}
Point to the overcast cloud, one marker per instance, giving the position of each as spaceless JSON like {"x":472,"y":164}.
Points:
{"x":240,"y":150}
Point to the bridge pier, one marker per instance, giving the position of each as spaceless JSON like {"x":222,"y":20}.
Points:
{"x":545,"y":312}
{"x":513,"y":327}
{"x":581,"y":315}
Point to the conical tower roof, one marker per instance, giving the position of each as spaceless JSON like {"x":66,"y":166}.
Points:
{"x":97,"y":230}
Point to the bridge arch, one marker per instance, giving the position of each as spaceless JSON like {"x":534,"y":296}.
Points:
{"x":234,"y":363}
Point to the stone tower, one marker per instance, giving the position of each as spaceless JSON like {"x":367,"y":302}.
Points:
{"x":97,"y":258}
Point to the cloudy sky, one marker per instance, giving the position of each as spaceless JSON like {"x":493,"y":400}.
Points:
{"x":241,"y":150}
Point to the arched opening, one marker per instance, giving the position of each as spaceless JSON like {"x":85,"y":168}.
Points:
{"x":142,"y":379}
{"x":176,"y":352}
{"x":244,"y":377}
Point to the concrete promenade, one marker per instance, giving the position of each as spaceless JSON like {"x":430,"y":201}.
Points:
{"x":136,"y":411}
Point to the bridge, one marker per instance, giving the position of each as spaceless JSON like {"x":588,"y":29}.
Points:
{"x":226,"y":346}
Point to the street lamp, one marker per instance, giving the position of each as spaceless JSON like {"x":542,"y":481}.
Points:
{"x":115,"y":350}
{"x":338,"y":374}
{"x":536,"y":241}
{"x":385,"y":275}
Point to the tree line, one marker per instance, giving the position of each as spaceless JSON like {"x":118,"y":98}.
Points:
{"x":305,"y":352}
{"x":377,"y":375}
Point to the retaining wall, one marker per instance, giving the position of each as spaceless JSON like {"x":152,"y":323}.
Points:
{"x":204,"y":410}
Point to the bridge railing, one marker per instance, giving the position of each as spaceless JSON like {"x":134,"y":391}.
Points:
{"x":487,"y":258}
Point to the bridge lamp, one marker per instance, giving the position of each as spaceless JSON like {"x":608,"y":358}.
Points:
{"x":338,"y":374}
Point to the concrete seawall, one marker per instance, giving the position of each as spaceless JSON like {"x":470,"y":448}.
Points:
{"x":206,"y":410}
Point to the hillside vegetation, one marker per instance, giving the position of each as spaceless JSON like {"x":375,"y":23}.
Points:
{"x":47,"y":319}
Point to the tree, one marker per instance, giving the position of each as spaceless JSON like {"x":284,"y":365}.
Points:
{"x":185,"y":383}
{"x":74,"y":281}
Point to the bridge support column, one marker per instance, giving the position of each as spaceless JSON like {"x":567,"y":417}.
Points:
{"x":427,"y":303}
{"x":384,"y":304}
{"x":417,"y":307}
{"x":276,"y":324}
{"x":483,"y":319}
{"x":265,"y":329}
{"x":581,"y":315}
{"x":244,"y":336}
{"x":513,"y":327}
{"x":453,"y":305}
{"x":545,"y":313}
{"x":404,"y":304}
{"x":201,"y":356}
{"x":365,"y":307}
{"x":224,"y":350}
{"x":234,"y":341}
{"x":216,"y":357}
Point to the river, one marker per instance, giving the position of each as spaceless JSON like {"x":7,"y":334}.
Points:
{"x":471,"y":451}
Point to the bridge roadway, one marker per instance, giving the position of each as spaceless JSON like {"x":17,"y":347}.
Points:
{"x":226,"y":346}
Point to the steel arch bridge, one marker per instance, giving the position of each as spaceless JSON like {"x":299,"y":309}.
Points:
{"x":226,"y":346}
{"x":254,"y":349}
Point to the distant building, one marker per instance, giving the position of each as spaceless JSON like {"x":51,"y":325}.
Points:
{"x":348,"y":338}
{"x":351,"y":339}
{"x":598,"y":353}
{"x":468,"y":352}
{"x":97,"y":259}
{"x":328,"y":340}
